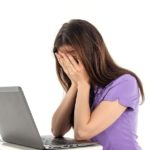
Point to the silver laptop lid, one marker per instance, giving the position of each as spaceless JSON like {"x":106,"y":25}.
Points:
{"x":16,"y":122}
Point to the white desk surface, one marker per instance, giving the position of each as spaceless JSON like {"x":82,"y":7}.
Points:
{"x":9,"y":146}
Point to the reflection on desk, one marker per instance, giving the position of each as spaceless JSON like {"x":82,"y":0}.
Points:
{"x":9,"y":146}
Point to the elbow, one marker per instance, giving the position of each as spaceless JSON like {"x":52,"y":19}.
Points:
{"x":80,"y":135}
{"x":53,"y":132}
{"x":56,"y":134}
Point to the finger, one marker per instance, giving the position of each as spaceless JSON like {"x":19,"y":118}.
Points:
{"x":67,"y":62}
{"x":80,"y":62}
{"x":61,"y":62}
{"x":59,"y":58}
{"x":73,"y":61}
{"x":68,"y":66}
{"x":68,"y":69}
{"x":64,"y":57}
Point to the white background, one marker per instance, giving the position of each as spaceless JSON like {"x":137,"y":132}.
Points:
{"x":27,"y":32}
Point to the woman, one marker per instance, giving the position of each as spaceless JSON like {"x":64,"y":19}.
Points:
{"x":102,"y":98}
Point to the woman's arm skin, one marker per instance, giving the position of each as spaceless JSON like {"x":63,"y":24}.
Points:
{"x":82,"y":109}
{"x":62,"y":119}
{"x":62,"y":116}
{"x":87,"y":124}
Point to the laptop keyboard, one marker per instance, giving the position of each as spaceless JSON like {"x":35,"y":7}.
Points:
{"x":61,"y":143}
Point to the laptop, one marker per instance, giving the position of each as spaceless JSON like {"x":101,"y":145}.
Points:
{"x":17,"y":125}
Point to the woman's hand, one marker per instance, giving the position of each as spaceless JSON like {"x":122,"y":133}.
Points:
{"x":74,"y":70}
{"x":63,"y":65}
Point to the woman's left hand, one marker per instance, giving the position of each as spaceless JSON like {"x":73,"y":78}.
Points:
{"x":76,"y":70}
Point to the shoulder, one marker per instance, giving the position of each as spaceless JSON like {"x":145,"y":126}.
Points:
{"x":125,"y":82}
{"x":121,"y":79}
{"x":125,"y":78}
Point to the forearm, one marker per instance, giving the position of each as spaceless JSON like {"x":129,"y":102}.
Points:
{"x":61,"y":117}
{"x":82,"y":109}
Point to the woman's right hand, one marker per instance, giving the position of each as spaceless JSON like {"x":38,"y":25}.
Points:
{"x":60,"y":60}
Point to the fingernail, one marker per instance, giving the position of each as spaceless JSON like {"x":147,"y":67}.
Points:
{"x":57,"y":55}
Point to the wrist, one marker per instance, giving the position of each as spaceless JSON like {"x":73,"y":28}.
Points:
{"x":83,"y":84}
{"x":74,"y":85}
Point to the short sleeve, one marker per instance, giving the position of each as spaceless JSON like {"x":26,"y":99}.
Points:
{"x":125,"y":89}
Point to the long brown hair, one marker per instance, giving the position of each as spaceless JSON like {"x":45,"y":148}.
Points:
{"x":90,"y":46}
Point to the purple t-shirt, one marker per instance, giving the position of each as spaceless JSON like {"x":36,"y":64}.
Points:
{"x":121,"y":135}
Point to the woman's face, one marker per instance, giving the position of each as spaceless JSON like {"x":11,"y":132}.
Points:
{"x":66,"y":49}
